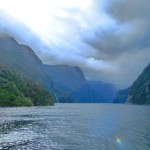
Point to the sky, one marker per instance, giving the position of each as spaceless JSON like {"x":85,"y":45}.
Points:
{"x":108,"y":39}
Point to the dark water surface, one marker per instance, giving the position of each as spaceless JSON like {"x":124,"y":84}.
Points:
{"x":75,"y":127}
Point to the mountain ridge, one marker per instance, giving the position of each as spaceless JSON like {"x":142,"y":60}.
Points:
{"x":139,"y":92}
{"x":67,"y":83}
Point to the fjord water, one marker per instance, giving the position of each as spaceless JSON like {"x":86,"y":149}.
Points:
{"x":76,"y":127}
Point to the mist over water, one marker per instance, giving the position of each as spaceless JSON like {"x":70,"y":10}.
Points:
{"x":76,"y":127}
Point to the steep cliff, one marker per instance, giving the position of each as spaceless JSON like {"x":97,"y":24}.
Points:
{"x":64,"y":81}
{"x":67,"y":83}
{"x":139,"y":92}
{"x":20,"y":58}
{"x":121,"y":96}
{"x":103,"y":92}
{"x":61,"y":80}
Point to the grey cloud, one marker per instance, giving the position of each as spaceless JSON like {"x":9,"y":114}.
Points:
{"x":127,"y":10}
{"x":127,"y":45}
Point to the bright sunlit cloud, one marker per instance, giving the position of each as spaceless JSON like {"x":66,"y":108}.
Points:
{"x":58,"y":21}
{"x":61,"y":24}
{"x":54,"y":20}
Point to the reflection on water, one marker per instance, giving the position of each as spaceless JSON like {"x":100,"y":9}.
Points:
{"x":75,"y":127}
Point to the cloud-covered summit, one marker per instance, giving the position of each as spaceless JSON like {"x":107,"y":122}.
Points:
{"x":108,"y":40}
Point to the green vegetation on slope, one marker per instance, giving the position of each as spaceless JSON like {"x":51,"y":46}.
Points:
{"x":17,"y":90}
{"x":139,"y":92}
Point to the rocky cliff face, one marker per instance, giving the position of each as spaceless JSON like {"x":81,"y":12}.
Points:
{"x":139,"y":92}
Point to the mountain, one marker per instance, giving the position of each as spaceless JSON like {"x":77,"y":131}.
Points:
{"x":61,"y":80}
{"x":17,"y":90}
{"x":84,"y":95}
{"x":139,"y":92}
{"x":121,"y":96}
{"x":20,"y":58}
{"x":103,"y":92}
{"x":66,"y":83}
